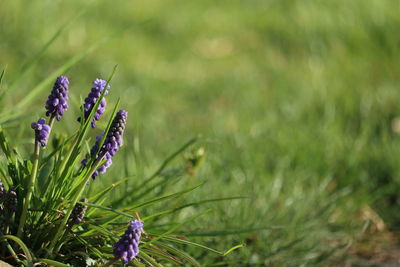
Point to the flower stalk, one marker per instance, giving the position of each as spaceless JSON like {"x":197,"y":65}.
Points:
{"x":31,"y":184}
{"x":42,"y":132}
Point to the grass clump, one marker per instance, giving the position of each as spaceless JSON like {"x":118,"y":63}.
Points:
{"x":52,"y":214}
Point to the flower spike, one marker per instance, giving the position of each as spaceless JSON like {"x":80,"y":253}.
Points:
{"x":127,"y":247}
{"x":90,"y":101}
{"x":112,"y":143}
{"x":57,"y":102}
{"x":42,"y":131}
{"x":78,"y":212}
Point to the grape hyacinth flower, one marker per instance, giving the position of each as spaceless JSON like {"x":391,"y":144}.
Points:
{"x":128,"y":246}
{"x":112,"y":143}
{"x":91,"y":99}
{"x":2,"y":195}
{"x":78,"y":212}
{"x":42,"y":131}
{"x":10,"y":201}
{"x":2,"y":189}
{"x":57,"y":102}
{"x":114,"y":139}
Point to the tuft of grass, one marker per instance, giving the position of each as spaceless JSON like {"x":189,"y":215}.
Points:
{"x":47,"y":189}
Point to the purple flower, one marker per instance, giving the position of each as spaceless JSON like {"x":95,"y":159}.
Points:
{"x":2,"y":189}
{"x":2,"y":195}
{"x":10,"y":201}
{"x":42,"y":131}
{"x":91,"y":100}
{"x":57,"y":102}
{"x":112,"y":143}
{"x":128,"y":246}
{"x":78,"y":212}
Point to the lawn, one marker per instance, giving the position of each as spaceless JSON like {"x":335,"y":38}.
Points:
{"x":295,"y":104}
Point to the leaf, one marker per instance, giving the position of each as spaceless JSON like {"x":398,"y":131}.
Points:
{"x":158,"y":199}
{"x":107,"y":209}
{"x":4,"y":145}
{"x":233,"y":231}
{"x":159,"y":170}
{"x":172,"y":229}
{"x":99,"y":195}
{"x":101,"y":230}
{"x":3,"y":72}
{"x":159,"y":253}
{"x":21,"y":245}
{"x":170,"y":158}
{"x":53,"y":263}
{"x":181,"y":254}
{"x":189,"y":205}
{"x":190,"y":243}
{"x":232,"y":249}
{"x":148,"y":259}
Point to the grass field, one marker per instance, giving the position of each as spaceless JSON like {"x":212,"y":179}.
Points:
{"x":295,"y":103}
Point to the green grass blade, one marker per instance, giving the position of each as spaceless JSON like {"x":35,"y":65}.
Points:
{"x":148,"y":259}
{"x":189,"y":205}
{"x":190,"y":243}
{"x":158,"y":199}
{"x":179,"y":253}
{"x":3,"y":72}
{"x":159,"y":253}
{"x":107,"y":209}
{"x":101,"y":230}
{"x":53,"y":263}
{"x":234,"y":231}
{"x":172,"y":229}
{"x":159,"y":184}
{"x":169,"y":159}
{"x":159,"y":170}
{"x":232,"y":249}
{"x":21,"y":245}
{"x":101,"y":194}
{"x":4,"y":145}
{"x":103,"y":224}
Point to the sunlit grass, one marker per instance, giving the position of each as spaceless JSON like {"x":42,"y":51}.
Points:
{"x":295,"y":102}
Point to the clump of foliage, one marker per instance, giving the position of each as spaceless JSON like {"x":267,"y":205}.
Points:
{"x":50,"y":215}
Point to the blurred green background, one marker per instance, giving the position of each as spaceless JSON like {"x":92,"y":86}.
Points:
{"x":296,"y":102}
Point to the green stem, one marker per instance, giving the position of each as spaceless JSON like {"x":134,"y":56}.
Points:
{"x":81,"y":188}
{"x":11,"y":250}
{"x":51,"y":122}
{"x":31,"y":186}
